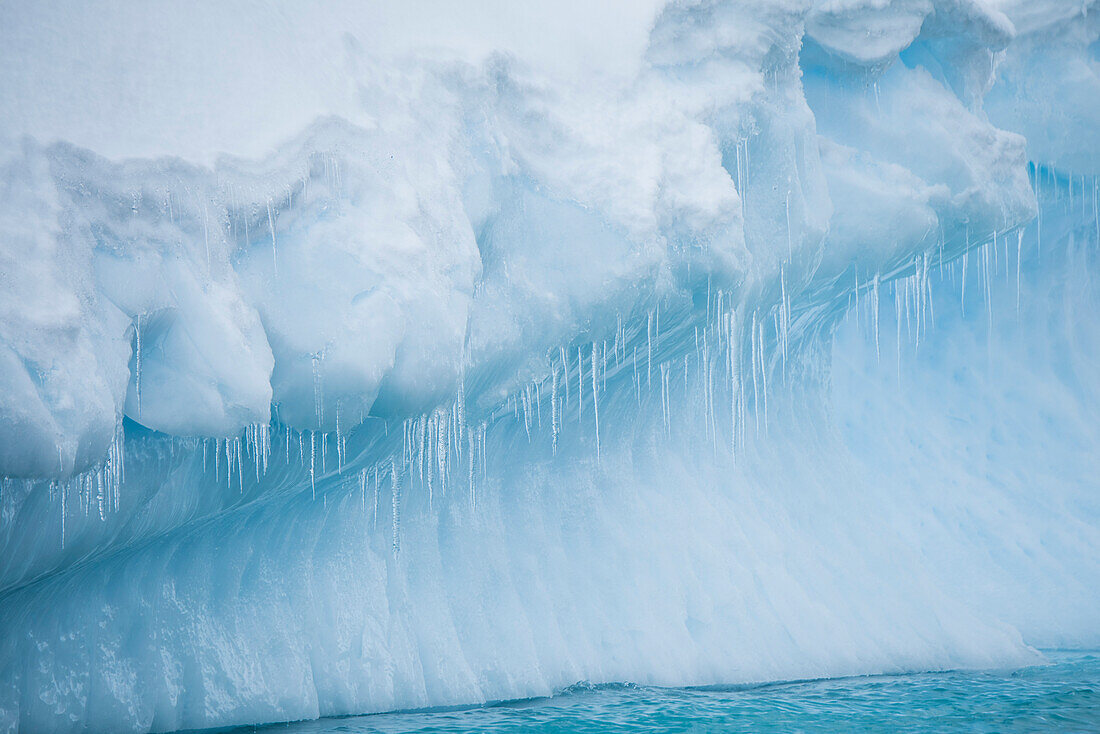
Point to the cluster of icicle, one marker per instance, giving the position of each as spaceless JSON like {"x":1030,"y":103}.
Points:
{"x":730,"y":354}
{"x":96,"y":491}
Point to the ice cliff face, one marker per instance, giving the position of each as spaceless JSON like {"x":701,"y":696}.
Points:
{"x":766,"y":350}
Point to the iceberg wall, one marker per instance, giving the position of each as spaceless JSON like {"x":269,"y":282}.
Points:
{"x":764,"y":351}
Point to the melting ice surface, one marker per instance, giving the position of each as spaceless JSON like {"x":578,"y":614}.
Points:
{"x":739,"y":341}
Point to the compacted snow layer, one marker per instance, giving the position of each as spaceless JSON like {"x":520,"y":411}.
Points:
{"x":744,"y":341}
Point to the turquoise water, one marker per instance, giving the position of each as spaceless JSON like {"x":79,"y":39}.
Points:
{"x":1061,"y":696}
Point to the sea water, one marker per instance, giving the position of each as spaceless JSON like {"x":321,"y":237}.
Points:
{"x":1062,"y":695}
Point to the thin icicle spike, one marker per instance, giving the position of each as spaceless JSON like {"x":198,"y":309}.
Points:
{"x":395,"y":495}
{"x":1019,"y":258}
{"x":137,"y":363}
{"x":553,"y":412}
{"x":274,"y":250}
{"x":874,"y":315}
{"x":595,"y":399}
{"x":580,"y":384}
{"x":649,"y":350}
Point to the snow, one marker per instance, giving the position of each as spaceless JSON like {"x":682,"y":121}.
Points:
{"x":367,"y":357}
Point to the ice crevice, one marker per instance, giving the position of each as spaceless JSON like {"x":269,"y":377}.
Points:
{"x":725,"y":369}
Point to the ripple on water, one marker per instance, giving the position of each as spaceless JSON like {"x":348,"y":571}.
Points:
{"x":1063,"y":696}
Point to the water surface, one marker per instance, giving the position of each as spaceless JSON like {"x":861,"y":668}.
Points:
{"x":1061,"y":696}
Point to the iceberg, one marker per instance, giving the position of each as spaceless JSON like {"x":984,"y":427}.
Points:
{"x":355,"y":359}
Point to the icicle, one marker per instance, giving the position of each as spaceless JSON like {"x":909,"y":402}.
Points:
{"x":930,"y":301}
{"x":905,"y":303}
{"x":553,"y":414}
{"x":705,"y":375}
{"x":1019,"y":257}
{"x":460,"y":410}
{"x":775,"y":326}
{"x":429,"y":459}
{"x":441,"y":455}
{"x":61,"y":489}
{"x":874,"y":314}
{"x":897,"y":319}
{"x":785,"y":308}
{"x":265,"y":444}
{"x":271,"y":226}
{"x":396,"y":498}
{"x":422,"y":428}
{"x":538,"y":404}
{"x":363,"y":489}
{"x":996,"y":258}
{"x":649,"y":350}
{"x":564,"y":373}
{"x":377,"y":491}
{"x":250,"y":434}
{"x":408,"y":453}
{"x":1039,"y":213}
{"x":657,"y":325}
{"x":470,"y":458}
{"x":339,"y":442}
{"x":484,"y":452}
{"x":764,"y":378}
{"x":734,"y":363}
{"x":595,"y":400}
{"x":664,"y":398}
{"x":988,"y":290}
{"x":620,"y":336}
{"x":137,"y":364}
{"x":1096,"y":208}
{"x":479,"y":443}
{"x":755,"y":384}
{"x":312,"y":458}
{"x":962,"y":300}
{"x":99,"y":494}
{"x":603,"y":366}
{"x":941,"y":245}
{"x":917,"y":296}
{"x":527,"y":410}
{"x":637,"y":385}
{"x":228,"y":463}
{"x":580,"y":383}
{"x":318,"y":391}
